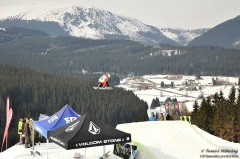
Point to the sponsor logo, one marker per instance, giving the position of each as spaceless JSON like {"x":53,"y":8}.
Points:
{"x":69,"y":119}
{"x":93,"y":128}
{"x":72,"y":127}
{"x":57,"y":140}
{"x":107,"y":141}
{"x":99,"y":142}
{"x":52,"y":119}
{"x":90,"y":143}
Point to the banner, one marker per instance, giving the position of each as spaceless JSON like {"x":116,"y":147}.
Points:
{"x":167,"y":107}
{"x":176,"y":105}
{"x":9,"y":113}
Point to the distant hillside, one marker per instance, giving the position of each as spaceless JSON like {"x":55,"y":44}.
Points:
{"x":85,"y":22}
{"x":71,"y":55}
{"x":226,"y":34}
{"x":13,"y":33}
{"x":32,"y":93}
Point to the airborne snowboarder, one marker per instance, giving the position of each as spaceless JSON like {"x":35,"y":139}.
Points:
{"x":103,"y":80}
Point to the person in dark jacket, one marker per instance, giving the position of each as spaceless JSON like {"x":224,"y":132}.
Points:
{"x":168,"y":117}
{"x":27,"y":133}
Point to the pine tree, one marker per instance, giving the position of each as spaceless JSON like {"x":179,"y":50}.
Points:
{"x":230,"y":118}
{"x":195,"y":108}
{"x":194,"y":114}
{"x":210,"y":115}
{"x":205,"y":115}
{"x":236,"y":120}
{"x":162,"y":84}
{"x":219,"y":116}
{"x":155,"y":103}
{"x":202,"y":115}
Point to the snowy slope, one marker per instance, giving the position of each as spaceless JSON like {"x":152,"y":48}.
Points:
{"x":155,"y":140}
{"x":183,"y":36}
{"x":175,"y":140}
{"x":88,"y":22}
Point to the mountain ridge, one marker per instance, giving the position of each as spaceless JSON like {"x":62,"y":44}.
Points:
{"x":91,"y":23}
{"x":226,"y":34}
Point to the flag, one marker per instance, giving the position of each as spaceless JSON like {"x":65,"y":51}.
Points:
{"x":167,"y":107}
{"x":176,"y":105}
{"x":9,"y":113}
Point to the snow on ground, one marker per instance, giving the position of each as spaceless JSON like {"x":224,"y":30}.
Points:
{"x":53,"y":151}
{"x":186,"y":96}
{"x":154,"y":140}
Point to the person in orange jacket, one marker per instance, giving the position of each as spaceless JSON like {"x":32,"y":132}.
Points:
{"x":103,"y":80}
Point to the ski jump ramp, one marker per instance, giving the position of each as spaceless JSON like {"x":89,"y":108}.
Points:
{"x":177,"y":140}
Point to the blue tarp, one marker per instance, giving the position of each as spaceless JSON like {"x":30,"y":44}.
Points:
{"x":57,"y":120}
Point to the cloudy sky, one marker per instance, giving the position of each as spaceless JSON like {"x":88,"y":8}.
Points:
{"x":189,"y":14}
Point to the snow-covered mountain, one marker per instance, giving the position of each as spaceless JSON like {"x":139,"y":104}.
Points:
{"x":86,"y":22}
{"x":183,"y":36}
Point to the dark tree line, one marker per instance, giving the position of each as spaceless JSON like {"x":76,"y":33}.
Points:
{"x":32,"y":93}
{"x":219,"y":116}
{"x":69,"y":55}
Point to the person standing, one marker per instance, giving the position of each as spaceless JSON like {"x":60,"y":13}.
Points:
{"x":152,"y":117}
{"x":26,"y":132}
{"x":168,"y":117}
{"x":20,"y":130}
{"x":161,"y":117}
{"x":31,"y":132}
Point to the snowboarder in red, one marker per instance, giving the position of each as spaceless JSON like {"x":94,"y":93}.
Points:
{"x":103,"y":80}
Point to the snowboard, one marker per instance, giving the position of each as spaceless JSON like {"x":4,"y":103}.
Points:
{"x":102,"y":88}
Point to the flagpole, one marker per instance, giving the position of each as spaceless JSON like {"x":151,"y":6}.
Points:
{"x":104,"y":155}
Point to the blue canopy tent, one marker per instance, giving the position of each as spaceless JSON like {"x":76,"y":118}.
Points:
{"x":57,"y":120}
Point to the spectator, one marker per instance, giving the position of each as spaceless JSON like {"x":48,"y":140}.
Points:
{"x":31,"y":132}
{"x":27,"y":132}
{"x":189,"y":119}
{"x":168,"y":117}
{"x":20,"y":131}
{"x":185,"y":118}
{"x":152,"y":117}
{"x":181,"y":117}
{"x":23,"y":135}
{"x":161,"y":117}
